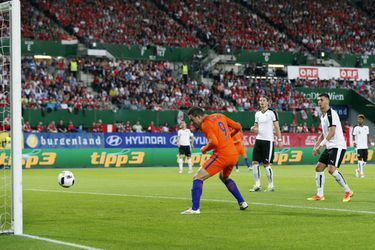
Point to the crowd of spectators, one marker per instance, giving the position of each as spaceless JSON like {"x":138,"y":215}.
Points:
{"x":120,"y":22}
{"x":140,"y":85}
{"x":330,"y":25}
{"x":229,"y":25}
{"x":36,"y":26}
{"x":51,"y":85}
{"x":96,"y":127}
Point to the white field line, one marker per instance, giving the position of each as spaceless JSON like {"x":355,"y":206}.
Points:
{"x":59,"y":242}
{"x":209,"y":200}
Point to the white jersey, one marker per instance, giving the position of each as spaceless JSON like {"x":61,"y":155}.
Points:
{"x":330,"y":119}
{"x":265,"y":122}
{"x":185,"y":135}
{"x":360,"y":135}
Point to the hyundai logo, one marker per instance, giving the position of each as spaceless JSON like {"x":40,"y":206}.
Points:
{"x":113,"y":140}
{"x":173,"y":140}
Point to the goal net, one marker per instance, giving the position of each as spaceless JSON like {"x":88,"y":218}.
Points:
{"x":10,"y":119}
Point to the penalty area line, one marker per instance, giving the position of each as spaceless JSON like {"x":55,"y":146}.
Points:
{"x":209,"y":200}
{"x":59,"y":242}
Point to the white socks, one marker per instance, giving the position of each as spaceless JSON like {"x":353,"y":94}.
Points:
{"x":269,"y":174}
{"x":340,"y":180}
{"x":180,"y":163}
{"x":190,"y":164}
{"x":256,"y":174}
{"x":320,"y":179}
{"x":361,"y":165}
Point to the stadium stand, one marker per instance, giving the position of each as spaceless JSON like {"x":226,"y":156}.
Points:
{"x":330,"y":26}
{"x":36,"y":26}
{"x":229,"y":25}
{"x":46,"y":86}
{"x":120,"y":22}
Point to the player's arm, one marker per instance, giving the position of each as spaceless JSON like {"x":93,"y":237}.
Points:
{"x":178,"y":140}
{"x":316,"y":146}
{"x":234,"y":125}
{"x":213,"y":142}
{"x":254,"y":128}
{"x":369,"y":141}
{"x":354,"y":133}
{"x":192,"y":140}
{"x":278,"y":133}
{"x":277,"y":129}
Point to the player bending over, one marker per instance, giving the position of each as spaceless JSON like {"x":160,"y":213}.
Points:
{"x":224,"y":157}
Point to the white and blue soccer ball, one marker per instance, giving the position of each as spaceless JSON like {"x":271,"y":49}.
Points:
{"x":66,"y":179}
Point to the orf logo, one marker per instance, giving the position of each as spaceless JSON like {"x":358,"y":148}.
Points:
{"x":351,"y":74}
{"x":113,"y":140}
{"x":308,"y":72}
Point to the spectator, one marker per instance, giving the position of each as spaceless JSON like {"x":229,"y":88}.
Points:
{"x":71,"y":127}
{"x":51,"y":128}
{"x":151,"y":128}
{"x":165,"y":127}
{"x":137,"y":127}
{"x":285,"y":128}
{"x":61,"y":128}
{"x":128,"y":127}
{"x":305,"y":128}
{"x":40,"y":128}
{"x":27,"y":128}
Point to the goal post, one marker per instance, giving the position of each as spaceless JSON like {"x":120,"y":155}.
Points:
{"x":11,"y":218}
{"x":16,"y":116}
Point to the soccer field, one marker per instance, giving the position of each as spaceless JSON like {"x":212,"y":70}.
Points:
{"x":139,"y":208}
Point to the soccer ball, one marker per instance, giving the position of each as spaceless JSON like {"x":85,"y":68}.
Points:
{"x":66,"y":179}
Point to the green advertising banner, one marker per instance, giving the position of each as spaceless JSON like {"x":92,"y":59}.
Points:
{"x":337,"y":96}
{"x":149,"y":157}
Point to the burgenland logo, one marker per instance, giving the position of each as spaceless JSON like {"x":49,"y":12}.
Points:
{"x":32,"y":141}
{"x":113,"y":140}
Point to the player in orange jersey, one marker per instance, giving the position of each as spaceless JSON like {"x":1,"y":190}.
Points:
{"x":224,"y":157}
{"x":239,"y":143}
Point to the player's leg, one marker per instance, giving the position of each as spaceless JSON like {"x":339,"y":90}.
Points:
{"x":180,"y":159}
{"x":232,"y":187}
{"x":364,"y":162}
{"x":359,"y":163}
{"x":257,"y":157}
{"x":237,"y":169}
{"x":268,"y":168}
{"x":208,"y":169}
{"x":188,"y":155}
{"x":320,"y":177}
{"x":335,"y":157}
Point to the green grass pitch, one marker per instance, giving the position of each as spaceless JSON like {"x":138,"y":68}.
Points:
{"x":139,"y":208}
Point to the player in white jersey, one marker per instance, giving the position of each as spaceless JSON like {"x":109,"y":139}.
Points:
{"x":334,"y":141}
{"x":361,"y":138}
{"x":265,"y":120}
{"x":185,"y":141}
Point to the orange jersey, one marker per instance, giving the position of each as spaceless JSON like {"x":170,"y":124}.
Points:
{"x":216,"y":128}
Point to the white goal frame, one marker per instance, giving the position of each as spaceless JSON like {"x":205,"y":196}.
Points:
{"x":14,"y":9}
